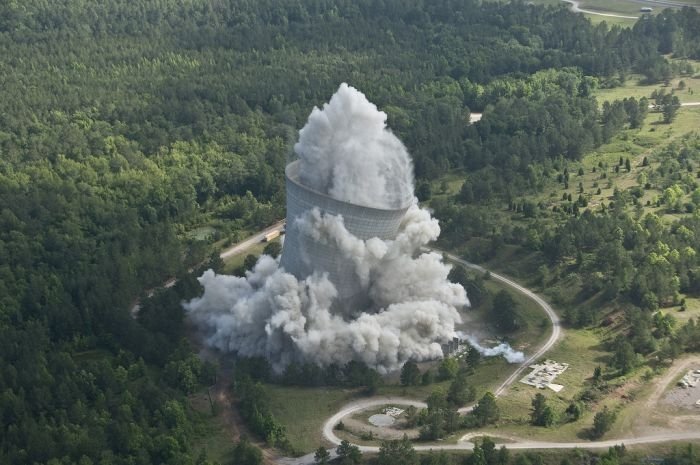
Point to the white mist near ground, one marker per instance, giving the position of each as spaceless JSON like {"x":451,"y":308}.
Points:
{"x":503,"y":349}
{"x":271,"y":313}
{"x":347,"y":152}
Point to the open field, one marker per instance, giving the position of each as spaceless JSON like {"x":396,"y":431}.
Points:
{"x":212,"y":432}
{"x":303,"y":410}
{"x":632,"y":88}
{"x":236,"y":261}
{"x":581,"y":349}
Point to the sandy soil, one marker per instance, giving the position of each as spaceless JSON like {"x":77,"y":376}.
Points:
{"x":684,"y":398}
{"x":395,"y":431}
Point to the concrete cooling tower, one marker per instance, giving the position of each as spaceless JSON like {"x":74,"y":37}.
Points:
{"x":353,"y":281}
{"x":302,"y":254}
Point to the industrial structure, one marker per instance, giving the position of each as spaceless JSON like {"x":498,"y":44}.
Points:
{"x":302,"y":254}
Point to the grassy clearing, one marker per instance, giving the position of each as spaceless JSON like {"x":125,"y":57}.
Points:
{"x":623,"y":7}
{"x":582,"y":350}
{"x":632,"y":88}
{"x":236,"y":261}
{"x":212,"y":432}
{"x":202,"y":233}
{"x":599,"y":179}
{"x":536,"y":327}
{"x":304,"y":410}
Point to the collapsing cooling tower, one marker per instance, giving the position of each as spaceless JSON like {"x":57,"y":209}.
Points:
{"x":302,"y":254}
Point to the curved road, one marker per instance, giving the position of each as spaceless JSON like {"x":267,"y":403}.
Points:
{"x":464,"y":444}
{"x":575,"y":8}
{"x":553,"y":317}
{"x":329,"y":434}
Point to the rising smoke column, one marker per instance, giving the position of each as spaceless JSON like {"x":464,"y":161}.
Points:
{"x":346,"y":152}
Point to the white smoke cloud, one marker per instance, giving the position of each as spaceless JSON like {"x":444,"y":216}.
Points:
{"x":374,"y":170}
{"x":272,"y":314}
{"x":347,"y":152}
{"x":504,"y":349}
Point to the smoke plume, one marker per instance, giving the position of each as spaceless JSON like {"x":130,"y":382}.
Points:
{"x":373,"y":170}
{"x":504,"y":349}
{"x":346,"y":152}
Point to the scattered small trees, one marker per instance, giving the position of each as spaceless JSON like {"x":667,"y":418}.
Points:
{"x":542,"y":414}
{"x":322,"y":457}
{"x":460,"y":392}
{"x":348,"y":454}
{"x":397,"y":452}
{"x":602,"y":422}
{"x":410,"y":374}
{"x":486,"y":411}
{"x":448,"y":368}
{"x":624,"y":356}
{"x":574,"y":411}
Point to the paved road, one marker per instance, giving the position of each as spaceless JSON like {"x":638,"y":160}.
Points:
{"x":329,"y":434}
{"x":553,"y":317}
{"x":686,"y":104}
{"x":575,"y":8}
{"x":231,"y":251}
{"x":251,"y":241}
{"x":464,"y":443}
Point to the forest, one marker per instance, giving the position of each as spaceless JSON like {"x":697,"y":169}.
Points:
{"x":126,"y":125}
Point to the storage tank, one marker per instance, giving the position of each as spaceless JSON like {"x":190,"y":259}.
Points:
{"x":302,"y":255}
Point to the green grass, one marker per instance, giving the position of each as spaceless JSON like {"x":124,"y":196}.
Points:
{"x":304,"y":410}
{"x":581,"y":350}
{"x":535,"y":326}
{"x":202,"y":233}
{"x":212,"y":433}
{"x":236,"y":261}
{"x":632,"y":88}
{"x":634,"y":144}
{"x":622,"y":7}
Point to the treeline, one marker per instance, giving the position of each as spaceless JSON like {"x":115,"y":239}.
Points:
{"x":253,"y":403}
{"x":126,"y":124}
{"x":353,"y":374}
{"x":70,"y":403}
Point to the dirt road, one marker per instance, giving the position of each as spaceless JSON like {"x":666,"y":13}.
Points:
{"x":679,"y":367}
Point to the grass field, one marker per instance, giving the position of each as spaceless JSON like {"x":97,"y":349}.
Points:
{"x":619,"y":7}
{"x":304,"y":410}
{"x":632,"y":88}
{"x":236,"y":261}
{"x":212,"y":432}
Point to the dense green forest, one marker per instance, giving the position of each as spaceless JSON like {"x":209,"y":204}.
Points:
{"x":125,"y":125}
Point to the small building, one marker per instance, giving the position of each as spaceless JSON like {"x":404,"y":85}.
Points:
{"x":646,"y":9}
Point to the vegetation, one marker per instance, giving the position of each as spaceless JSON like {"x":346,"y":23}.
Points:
{"x":138,"y":137}
{"x":542,"y":414}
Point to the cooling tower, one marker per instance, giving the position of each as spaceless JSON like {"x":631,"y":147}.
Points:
{"x":302,"y":255}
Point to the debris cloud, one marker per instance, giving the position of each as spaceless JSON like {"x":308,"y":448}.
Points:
{"x":503,"y":349}
{"x":346,"y":152}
